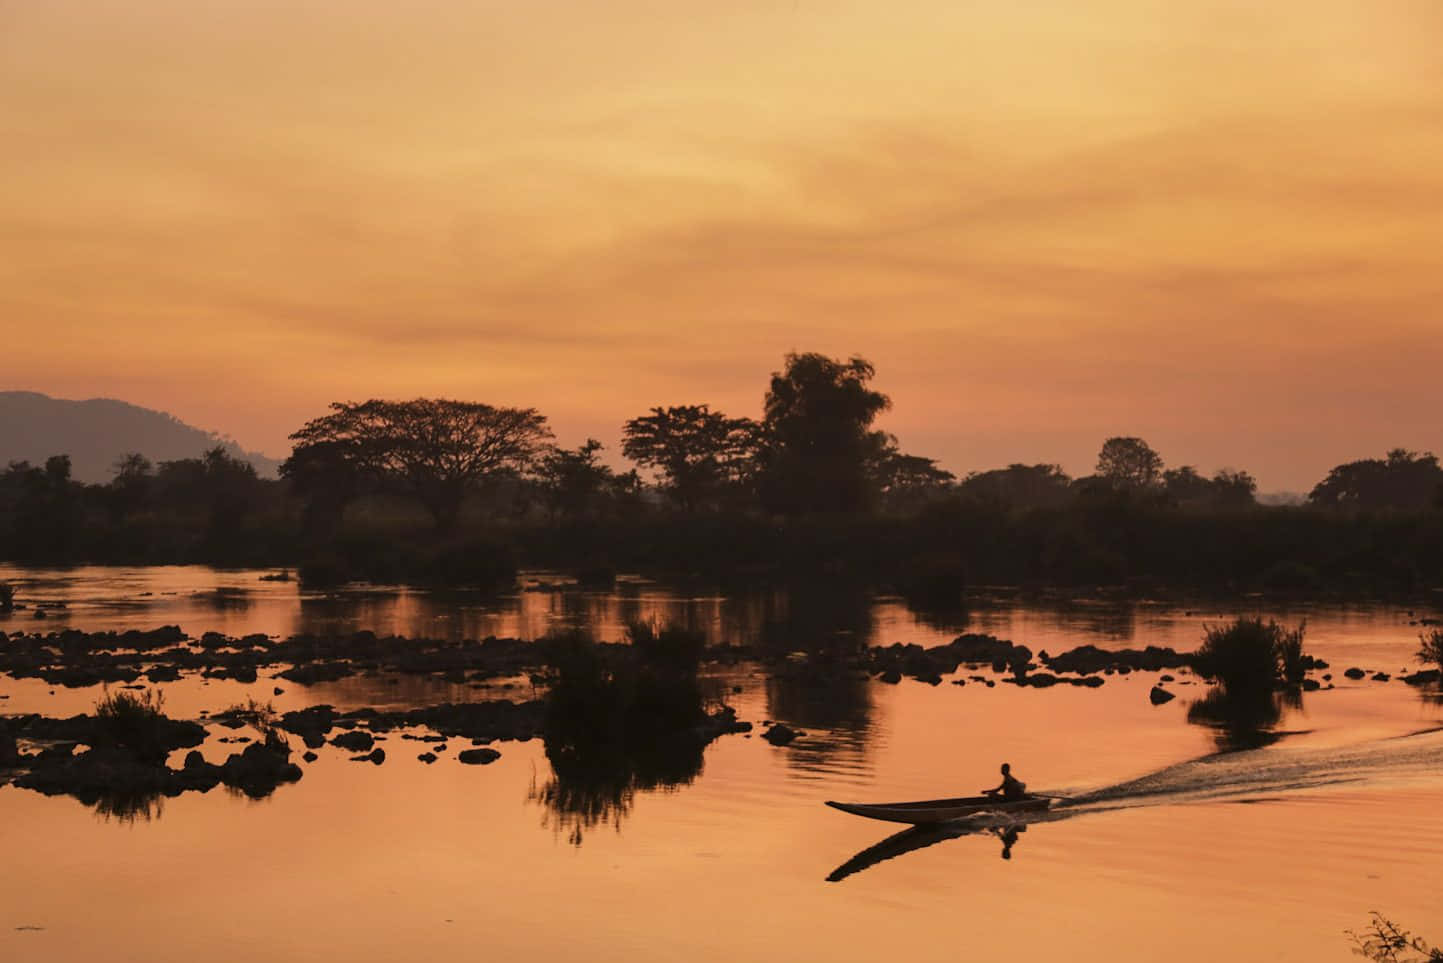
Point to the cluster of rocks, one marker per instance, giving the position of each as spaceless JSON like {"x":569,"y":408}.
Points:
{"x":73,"y":658}
{"x":82,"y":757}
{"x":1084,"y":664}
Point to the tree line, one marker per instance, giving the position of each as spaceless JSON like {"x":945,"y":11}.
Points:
{"x":815,"y":451}
{"x":814,"y":459}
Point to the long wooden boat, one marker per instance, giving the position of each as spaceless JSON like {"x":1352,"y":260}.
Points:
{"x":929,"y":811}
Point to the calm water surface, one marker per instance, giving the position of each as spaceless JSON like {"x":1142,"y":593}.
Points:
{"x":1175,"y":851}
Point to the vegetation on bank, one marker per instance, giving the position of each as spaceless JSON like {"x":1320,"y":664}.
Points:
{"x":460,"y":493}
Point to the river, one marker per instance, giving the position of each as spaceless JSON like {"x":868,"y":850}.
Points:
{"x":1168,"y":848}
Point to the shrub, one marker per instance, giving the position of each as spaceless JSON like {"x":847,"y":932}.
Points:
{"x":7,"y":597}
{"x":133,"y":720}
{"x":260,"y":716}
{"x":1290,"y":575}
{"x":470,"y":563}
{"x":670,"y":648}
{"x":130,"y":710}
{"x":1292,"y":661}
{"x":1430,"y":648}
{"x":1252,"y":654}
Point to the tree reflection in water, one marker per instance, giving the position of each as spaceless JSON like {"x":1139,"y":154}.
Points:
{"x":811,"y":642}
{"x":1246,"y":719}
{"x":597,"y":786}
{"x":623,"y":720}
{"x":127,"y":808}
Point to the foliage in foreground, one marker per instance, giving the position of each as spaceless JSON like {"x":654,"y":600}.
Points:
{"x":1387,"y":942}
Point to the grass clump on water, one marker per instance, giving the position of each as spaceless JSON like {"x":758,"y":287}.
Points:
{"x":134,"y":721}
{"x":1250,"y":654}
{"x":1430,"y":648}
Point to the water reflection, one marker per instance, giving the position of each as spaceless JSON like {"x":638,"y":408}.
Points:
{"x":921,"y":837}
{"x":811,"y":635}
{"x":126,"y":808}
{"x":598,"y":786}
{"x":1243,"y":720}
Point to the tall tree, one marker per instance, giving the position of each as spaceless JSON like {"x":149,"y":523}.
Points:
{"x":1129,"y":463}
{"x":698,"y":453}
{"x":820,"y":451}
{"x":328,"y":475}
{"x":436,"y":450}
{"x":129,"y":489}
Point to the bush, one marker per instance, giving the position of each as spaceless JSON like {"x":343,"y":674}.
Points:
{"x":260,"y":716}
{"x":134,"y":721}
{"x":624,"y":696}
{"x":7,"y":597}
{"x":1292,"y":661}
{"x":1290,"y":575}
{"x":471,"y":563}
{"x":1250,"y":654}
{"x":670,"y":648}
{"x":1430,"y":648}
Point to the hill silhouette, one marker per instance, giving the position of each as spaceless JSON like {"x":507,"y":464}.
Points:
{"x":96,"y":432}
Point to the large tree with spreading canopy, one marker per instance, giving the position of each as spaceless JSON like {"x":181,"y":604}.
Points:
{"x":434,"y":449}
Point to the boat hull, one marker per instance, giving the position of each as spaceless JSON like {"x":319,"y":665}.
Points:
{"x":932,"y":811}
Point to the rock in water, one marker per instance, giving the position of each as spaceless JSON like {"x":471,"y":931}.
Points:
{"x":1159,"y":695}
{"x":9,"y":752}
{"x":356,"y":741}
{"x":478,"y":757}
{"x":780,"y":735}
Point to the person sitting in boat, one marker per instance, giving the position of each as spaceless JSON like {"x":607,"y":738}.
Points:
{"x":1011,"y":788}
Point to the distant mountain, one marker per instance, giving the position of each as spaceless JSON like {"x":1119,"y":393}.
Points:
{"x":95,"y":433}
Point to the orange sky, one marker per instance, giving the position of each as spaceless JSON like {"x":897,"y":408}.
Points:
{"x":1218,"y":225}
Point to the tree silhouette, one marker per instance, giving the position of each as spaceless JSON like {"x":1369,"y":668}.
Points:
{"x":1234,"y":489}
{"x":697,"y":452}
{"x":820,"y":453}
{"x":907,"y":482}
{"x":436,"y":450}
{"x":575,"y":483}
{"x":1129,"y":463}
{"x":1405,"y":479}
{"x":1020,"y":486}
{"x":329,"y":475}
{"x":129,"y":489}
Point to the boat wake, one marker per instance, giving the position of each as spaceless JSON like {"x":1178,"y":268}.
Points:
{"x":1268,"y":772}
{"x":1245,"y":776}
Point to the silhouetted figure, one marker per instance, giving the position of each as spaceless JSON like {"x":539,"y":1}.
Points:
{"x":1011,"y":788}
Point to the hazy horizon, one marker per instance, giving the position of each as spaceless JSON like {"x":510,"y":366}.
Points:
{"x":1213,"y":226}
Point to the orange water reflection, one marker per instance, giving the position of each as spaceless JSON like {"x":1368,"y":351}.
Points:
{"x":1168,"y":850}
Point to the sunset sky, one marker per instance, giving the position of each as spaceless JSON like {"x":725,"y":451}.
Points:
{"x":1217,"y":225}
